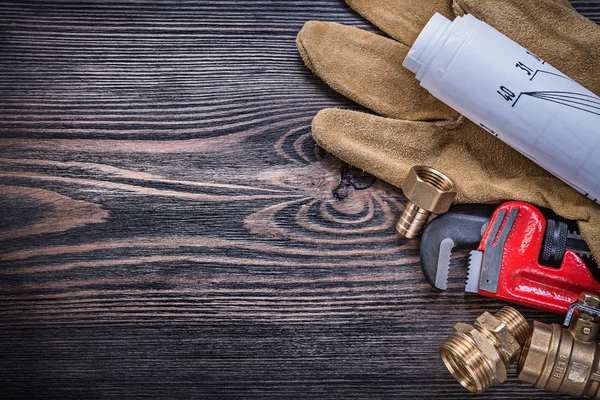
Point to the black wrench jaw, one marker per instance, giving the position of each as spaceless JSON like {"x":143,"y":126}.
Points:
{"x":447,"y":231}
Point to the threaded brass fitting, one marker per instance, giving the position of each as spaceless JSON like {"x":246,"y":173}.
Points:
{"x":428,"y":191}
{"x":565,"y":360}
{"x":478,"y":355}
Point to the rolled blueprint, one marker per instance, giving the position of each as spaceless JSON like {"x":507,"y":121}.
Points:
{"x":514,"y":95}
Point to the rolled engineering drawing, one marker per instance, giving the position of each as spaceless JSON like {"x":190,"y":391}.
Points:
{"x":514,"y":95}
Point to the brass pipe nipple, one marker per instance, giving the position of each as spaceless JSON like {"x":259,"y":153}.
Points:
{"x":478,"y":355}
{"x":428,"y":191}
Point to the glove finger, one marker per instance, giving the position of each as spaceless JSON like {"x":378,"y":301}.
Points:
{"x":384,"y":147}
{"x":367,"y":68}
{"x":401,"y":19}
{"x":404,"y":19}
{"x":388,"y":148}
{"x":550,"y":28}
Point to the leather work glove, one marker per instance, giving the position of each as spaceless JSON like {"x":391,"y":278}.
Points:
{"x":414,"y":128}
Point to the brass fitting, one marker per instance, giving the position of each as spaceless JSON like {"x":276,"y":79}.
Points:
{"x":565,"y":360}
{"x":478,"y":355}
{"x":428,"y":191}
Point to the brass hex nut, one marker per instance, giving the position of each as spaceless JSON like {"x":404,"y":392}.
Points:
{"x":535,"y":355}
{"x":590,"y":299}
{"x":505,"y":341}
{"x":429,"y":189}
{"x":478,"y":355}
{"x":486,"y":348}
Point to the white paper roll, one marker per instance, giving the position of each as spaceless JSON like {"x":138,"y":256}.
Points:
{"x":514,"y":95}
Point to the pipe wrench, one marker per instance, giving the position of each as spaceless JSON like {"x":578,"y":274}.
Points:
{"x":521,"y":257}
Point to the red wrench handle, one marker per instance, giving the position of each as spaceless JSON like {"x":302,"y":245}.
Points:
{"x":522,"y":279}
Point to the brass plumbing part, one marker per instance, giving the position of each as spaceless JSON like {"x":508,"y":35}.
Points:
{"x":478,"y":355}
{"x":565,"y":360}
{"x":428,"y":191}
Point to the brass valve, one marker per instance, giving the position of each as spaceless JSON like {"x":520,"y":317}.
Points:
{"x":566,"y":360}
{"x":478,"y":355}
{"x":551,"y":357}
{"x":428,"y":191}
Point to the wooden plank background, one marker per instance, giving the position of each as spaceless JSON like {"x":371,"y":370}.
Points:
{"x":168,"y":228}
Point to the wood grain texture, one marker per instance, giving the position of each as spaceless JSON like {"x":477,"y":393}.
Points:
{"x":168,"y":228}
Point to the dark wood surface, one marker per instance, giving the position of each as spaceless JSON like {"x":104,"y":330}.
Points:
{"x":168,"y":228}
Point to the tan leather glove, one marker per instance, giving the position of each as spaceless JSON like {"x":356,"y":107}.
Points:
{"x":417,"y":129}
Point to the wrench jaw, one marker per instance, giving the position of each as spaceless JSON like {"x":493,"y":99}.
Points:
{"x":444,"y":234}
{"x":474,"y":271}
{"x":443,"y":267}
